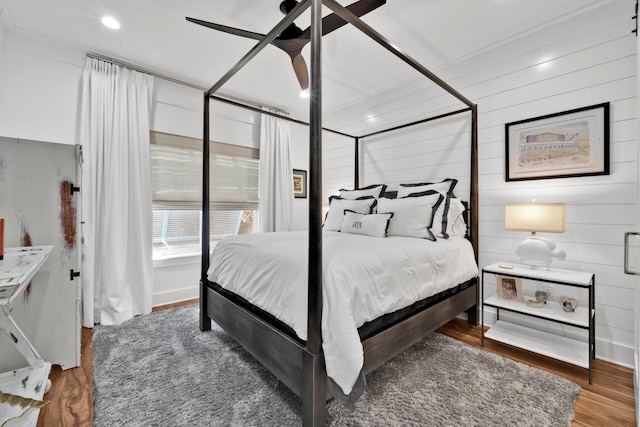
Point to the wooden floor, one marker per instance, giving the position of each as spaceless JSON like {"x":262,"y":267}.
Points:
{"x":608,"y":402}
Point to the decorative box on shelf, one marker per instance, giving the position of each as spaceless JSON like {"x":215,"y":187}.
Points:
{"x":26,"y":386}
{"x":567,"y":349}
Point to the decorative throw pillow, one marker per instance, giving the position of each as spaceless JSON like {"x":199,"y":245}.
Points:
{"x":456,"y":225}
{"x":445,"y":187}
{"x":374,"y":225}
{"x":412,"y":215}
{"x":371,"y":190}
{"x":337,"y":206}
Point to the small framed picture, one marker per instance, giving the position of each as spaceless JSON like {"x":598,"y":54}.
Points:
{"x":299,"y":184}
{"x":509,"y":288}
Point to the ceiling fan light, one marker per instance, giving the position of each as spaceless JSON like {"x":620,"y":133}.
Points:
{"x":110,"y":22}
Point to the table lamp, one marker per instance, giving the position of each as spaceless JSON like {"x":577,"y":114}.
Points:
{"x":544,"y":217}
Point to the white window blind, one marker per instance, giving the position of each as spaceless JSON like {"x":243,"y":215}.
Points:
{"x":176,"y":168}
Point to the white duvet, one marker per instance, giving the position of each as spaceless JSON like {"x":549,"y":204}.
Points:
{"x":364,"y":278}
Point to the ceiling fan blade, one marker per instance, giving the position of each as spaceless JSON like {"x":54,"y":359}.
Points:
{"x":332,"y":22}
{"x":302,"y":73}
{"x":230,"y":30}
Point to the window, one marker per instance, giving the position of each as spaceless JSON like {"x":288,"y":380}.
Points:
{"x":176,"y":171}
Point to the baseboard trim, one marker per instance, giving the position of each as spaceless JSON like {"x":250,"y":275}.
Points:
{"x":176,"y":295}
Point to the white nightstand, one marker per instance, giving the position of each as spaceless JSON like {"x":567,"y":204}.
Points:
{"x":558,"y":347}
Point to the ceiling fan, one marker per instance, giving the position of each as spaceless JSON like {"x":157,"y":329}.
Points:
{"x":293,"y":39}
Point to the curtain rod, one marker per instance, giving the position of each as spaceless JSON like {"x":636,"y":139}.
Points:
{"x":180,"y":82}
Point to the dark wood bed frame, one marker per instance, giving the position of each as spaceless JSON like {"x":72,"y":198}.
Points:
{"x":300,"y":366}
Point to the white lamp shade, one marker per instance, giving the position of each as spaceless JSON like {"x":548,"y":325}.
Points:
{"x":545,"y":217}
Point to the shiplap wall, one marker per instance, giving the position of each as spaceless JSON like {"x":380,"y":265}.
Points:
{"x":585,"y":60}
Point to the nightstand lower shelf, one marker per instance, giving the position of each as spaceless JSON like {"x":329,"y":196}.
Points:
{"x":555,"y":346}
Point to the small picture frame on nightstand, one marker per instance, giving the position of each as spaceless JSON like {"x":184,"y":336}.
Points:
{"x":509,"y":288}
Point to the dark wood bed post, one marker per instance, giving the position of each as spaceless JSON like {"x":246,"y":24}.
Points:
{"x":205,"y":320}
{"x":356,"y":170}
{"x":473,"y":313}
{"x":315,"y":380}
{"x":474,"y":179}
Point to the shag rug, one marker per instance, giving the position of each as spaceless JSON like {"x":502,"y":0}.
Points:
{"x":160,"y":370}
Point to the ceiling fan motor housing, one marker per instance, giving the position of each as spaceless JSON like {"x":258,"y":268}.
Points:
{"x":287,"y":5}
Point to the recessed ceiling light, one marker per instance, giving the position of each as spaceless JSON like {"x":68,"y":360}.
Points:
{"x":110,"y":22}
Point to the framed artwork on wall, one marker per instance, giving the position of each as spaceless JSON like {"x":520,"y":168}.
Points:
{"x":560,"y":145}
{"x":299,"y":184}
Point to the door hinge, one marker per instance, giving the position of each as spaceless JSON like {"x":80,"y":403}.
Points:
{"x":73,"y":274}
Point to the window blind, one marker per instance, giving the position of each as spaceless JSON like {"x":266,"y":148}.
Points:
{"x":176,"y":174}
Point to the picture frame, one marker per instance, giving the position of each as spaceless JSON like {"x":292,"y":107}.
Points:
{"x":300,"y":184}
{"x":508,"y":287}
{"x":561,"y":145}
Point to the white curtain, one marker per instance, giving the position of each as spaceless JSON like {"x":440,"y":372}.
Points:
{"x":276,"y":175}
{"x":117,"y":261}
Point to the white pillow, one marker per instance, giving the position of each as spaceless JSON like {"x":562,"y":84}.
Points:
{"x":445,"y":187}
{"x":337,"y":206}
{"x":456,"y":225}
{"x":374,"y":225}
{"x":372,"y":190}
{"x":441,"y":216}
{"x":412,"y":216}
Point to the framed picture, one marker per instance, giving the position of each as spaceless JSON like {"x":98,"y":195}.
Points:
{"x":561,"y":145}
{"x":299,"y":184}
{"x":509,"y":288}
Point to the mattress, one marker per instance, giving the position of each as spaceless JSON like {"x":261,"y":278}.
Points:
{"x":364,"y":278}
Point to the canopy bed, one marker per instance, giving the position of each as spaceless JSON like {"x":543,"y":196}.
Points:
{"x":298,"y":359}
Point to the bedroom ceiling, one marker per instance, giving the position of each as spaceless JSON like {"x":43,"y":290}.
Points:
{"x":155,"y":35}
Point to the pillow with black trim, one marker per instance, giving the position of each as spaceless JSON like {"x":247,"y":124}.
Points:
{"x":337,"y":206}
{"x":376,"y":191}
{"x":374,"y":225}
{"x":412,"y":215}
{"x":444,"y":187}
{"x":441,"y":217}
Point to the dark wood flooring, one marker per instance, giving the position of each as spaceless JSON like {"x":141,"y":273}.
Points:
{"x":609,"y":401}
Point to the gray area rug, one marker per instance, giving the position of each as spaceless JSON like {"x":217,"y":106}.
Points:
{"x":160,"y":370}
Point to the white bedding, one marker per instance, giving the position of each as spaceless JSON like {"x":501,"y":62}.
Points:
{"x":364,"y":278}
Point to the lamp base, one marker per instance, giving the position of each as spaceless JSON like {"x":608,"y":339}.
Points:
{"x":539,"y":252}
